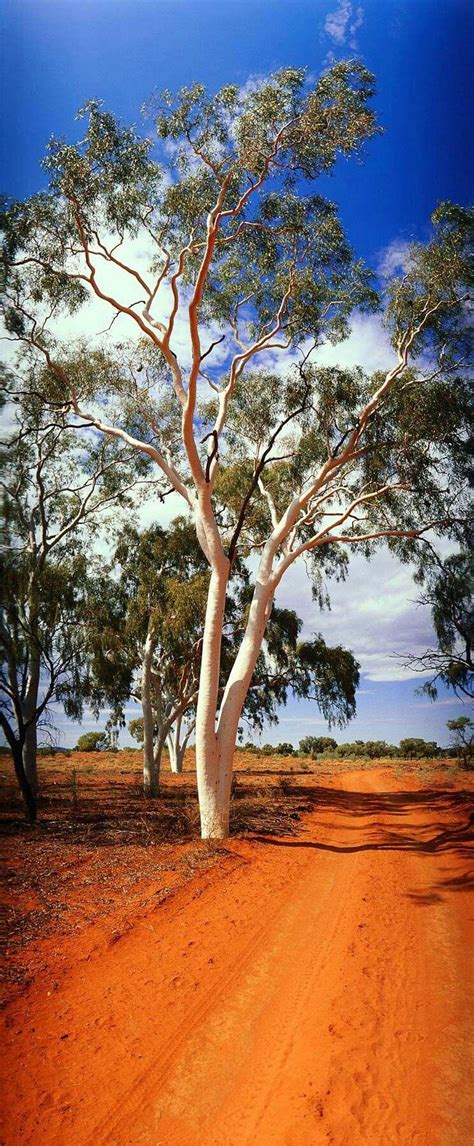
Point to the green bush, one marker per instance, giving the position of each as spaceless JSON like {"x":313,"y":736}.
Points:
{"x":93,"y":742}
{"x":315,"y":745}
{"x":135,"y":728}
{"x":414,"y":748}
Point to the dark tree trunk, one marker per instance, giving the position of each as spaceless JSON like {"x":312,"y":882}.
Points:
{"x":30,"y":757}
{"x":24,"y":785}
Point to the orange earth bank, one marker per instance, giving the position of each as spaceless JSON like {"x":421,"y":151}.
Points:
{"x":294,"y":992}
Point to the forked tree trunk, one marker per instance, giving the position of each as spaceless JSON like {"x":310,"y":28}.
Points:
{"x":175,"y":748}
{"x":215,"y":749}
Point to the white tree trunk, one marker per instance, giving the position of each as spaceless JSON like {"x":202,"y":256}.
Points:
{"x":215,"y":749}
{"x":149,"y":776}
{"x":238,"y":683}
{"x":157,"y":754}
{"x":213,"y":801}
{"x":175,"y":748}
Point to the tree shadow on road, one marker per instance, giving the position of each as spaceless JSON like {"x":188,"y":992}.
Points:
{"x":430,"y":821}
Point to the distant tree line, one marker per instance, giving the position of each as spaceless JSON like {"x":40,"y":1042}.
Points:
{"x":410,"y":748}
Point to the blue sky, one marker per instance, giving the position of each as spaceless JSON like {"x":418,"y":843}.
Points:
{"x":58,"y":53}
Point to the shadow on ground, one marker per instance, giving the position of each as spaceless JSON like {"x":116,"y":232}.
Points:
{"x":429,"y":821}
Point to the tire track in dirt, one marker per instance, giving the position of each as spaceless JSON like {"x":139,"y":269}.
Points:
{"x":244,"y":1000}
{"x":211,"y":1000}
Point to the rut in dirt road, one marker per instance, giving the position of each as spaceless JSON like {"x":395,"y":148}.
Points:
{"x":311,"y":991}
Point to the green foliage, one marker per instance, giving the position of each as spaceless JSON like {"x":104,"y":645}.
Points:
{"x":315,"y":745}
{"x":462,"y":738}
{"x":414,"y":748}
{"x":438,"y":278}
{"x":159,"y":589}
{"x":135,"y":728}
{"x":93,"y":742}
{"x":58,"y":484}
{"x":247,"y":158}
{"x":447,"y":589}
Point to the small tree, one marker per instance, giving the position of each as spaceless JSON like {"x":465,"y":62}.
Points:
{"x":415,"y":748}
{"x":245,"y":256}
{"x":315,"y":745}
{"x":462,"y":738}
{"x":92,"y":742}
{"x":57,"y":486}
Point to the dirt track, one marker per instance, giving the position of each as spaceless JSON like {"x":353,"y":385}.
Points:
{"x":301,"y":991}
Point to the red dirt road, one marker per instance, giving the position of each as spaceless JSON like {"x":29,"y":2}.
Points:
{"x":299,"y":992}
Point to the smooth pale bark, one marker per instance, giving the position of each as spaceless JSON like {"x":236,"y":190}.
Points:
{"x":237,"y":688}
{"x":160,"y":741}
{"x":215,"y":748}
{"x":213,"y":801}
{"x":176,"y":749}
{"x":150,"y":787}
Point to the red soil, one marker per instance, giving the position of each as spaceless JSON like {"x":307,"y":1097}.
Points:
{"x":283,"y":991}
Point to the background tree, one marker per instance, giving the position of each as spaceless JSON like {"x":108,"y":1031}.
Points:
{"x":462,"y":738}
{"x":146,"y":636}
{"x":56,"y":488}
{"x":246,"y":261}
{"x":448,"y":590}
{"x":314,"y":745}
{"x":414,"y":747}
{"x":92,"y":742}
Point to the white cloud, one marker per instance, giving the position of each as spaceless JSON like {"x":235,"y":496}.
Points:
{"x":394,"y":259}
{"x":156,"y":512}
{"x":343,"y":23}
{"x":367,"y":346}
{"x":374,"y":613}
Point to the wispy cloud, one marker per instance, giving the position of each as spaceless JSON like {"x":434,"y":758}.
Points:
{"x":343,"y":23}
{"x":394,"y":259}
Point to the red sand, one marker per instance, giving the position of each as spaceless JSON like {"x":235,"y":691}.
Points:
{"x":297,"y":992}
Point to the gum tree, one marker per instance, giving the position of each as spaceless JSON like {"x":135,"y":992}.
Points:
{"x":57,"y":487}
{"x":447,"y":589}
{"x":144,"y":636}
{"x":232,"y":270}
{"x":462,"y":738}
